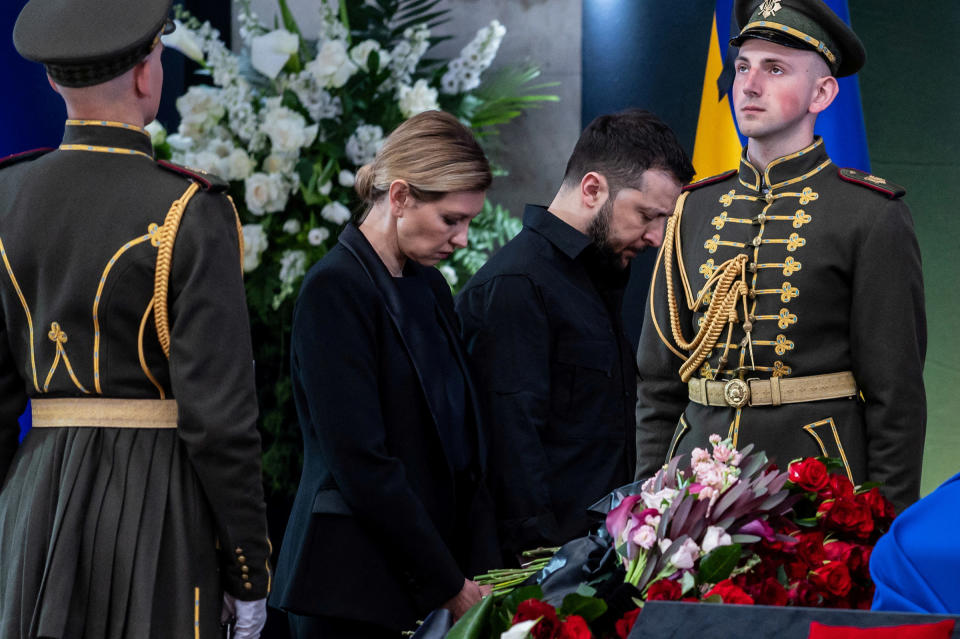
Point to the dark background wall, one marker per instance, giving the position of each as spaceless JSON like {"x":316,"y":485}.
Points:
{"x":910,"y":97}
{"x":31,"y":115}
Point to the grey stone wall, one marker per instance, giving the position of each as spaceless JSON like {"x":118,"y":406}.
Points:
{"x":535,"y":146}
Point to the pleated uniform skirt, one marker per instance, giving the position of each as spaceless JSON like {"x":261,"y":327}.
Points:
{"x":105,"y":533}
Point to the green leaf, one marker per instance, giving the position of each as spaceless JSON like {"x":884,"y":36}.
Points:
{"x":289,"y":22}
{"x":436,"y":16}
{"x":719,"y":563}
{"x":586,"y":590}
{"x":687,"y":582}
{"x":587,"y":607}
{"x":474,"y":623}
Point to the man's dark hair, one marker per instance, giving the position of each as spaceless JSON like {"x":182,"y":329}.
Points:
{"x":621,"y":146}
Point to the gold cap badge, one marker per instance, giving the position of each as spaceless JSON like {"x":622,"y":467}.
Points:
{"x":769,"y":8}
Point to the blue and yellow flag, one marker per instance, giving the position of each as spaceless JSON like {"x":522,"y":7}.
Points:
{"x":717,"y":143}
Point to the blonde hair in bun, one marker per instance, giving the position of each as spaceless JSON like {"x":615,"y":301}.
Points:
{"x":434,"y":153}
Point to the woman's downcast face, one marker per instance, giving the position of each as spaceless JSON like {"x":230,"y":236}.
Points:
{"x":428,"y":232}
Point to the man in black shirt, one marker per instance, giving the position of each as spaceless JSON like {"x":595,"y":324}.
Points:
{"x":542,"y":322}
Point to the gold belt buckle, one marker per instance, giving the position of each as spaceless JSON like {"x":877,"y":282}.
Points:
{"x":736,"y":393}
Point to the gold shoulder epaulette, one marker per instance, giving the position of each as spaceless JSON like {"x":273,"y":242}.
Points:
{"x":207,"y":181}
{"x":710,"y":180}
{"x":23,"y":157}
{"x":873,"y":182}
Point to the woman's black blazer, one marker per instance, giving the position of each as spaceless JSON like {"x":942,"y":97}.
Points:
{"x":381,"y":529}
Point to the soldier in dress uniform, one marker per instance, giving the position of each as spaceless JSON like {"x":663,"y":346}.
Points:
{"x":786,"y":308}
{"x":134,"y":506}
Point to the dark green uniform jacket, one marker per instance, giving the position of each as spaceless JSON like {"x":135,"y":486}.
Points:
{"x":123,"y":532}
{"x":834,"y":284}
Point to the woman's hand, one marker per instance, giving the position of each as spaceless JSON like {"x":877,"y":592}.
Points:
{"x":470,"y":594}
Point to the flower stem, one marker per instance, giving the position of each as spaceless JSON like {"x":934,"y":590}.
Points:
{"x":345,"y":19}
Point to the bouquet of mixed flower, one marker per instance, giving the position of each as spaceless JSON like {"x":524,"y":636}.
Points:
{"x":287,"y":122}
{"x":729,"y":528}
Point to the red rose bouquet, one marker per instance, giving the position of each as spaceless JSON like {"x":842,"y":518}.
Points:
{"x":728,"y":527}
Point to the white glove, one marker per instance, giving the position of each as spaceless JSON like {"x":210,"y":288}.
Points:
{"x":250,"y":616}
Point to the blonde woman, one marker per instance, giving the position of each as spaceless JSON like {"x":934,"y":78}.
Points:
{"x":392,"y":512}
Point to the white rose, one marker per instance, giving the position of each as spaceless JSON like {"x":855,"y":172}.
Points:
{"x":346,"y":178}
{"x":265,"y":193}
{"x":335,"y":213}
{"x":291,"y":227}
{"x":237,"y":165}
{"x":318,"y":236}
{"x":325,"y":188}
{"x":417,"y":99}
{"x":270,"y":52}
{"x":158,"y":134}
{"x":287,"y":130}
{"x":280,"y":163}
{"x":332,"y":67}
{"x":186,"y":41}
{"x":254,"y":244}
{"x":360,"y":54}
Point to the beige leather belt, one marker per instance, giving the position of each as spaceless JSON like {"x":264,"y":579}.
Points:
{"x":775,"y":391}
{"x":101,"y":412}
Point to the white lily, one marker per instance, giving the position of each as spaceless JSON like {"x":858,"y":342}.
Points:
{"x":520,"y":630}
{"x":269,"y":52}
{"x":186,"y":41}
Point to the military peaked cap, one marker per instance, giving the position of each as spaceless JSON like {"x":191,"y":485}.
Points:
{"x":87,"y":42}
{"x":802,"y":24}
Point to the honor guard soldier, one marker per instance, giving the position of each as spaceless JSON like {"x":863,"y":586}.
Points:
{"x":134,"y":506}
{"x":786,"y":308}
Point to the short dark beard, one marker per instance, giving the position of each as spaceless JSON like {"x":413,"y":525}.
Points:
{"x":599,"y":233}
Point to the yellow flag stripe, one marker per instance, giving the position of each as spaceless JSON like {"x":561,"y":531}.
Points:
{"x":717,"y":146}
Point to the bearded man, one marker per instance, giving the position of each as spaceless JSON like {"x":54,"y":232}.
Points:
{"x":542,"y":322}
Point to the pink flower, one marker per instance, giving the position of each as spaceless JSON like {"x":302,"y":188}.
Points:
{"x":686,"y":556}
{"x":760,"y":528}
{"x":723,"y":453}
{"x":652,"y":520}
{"x":699,"y":456}
{"x":645,"y":537}
{"x":618,"y":518}
{"x":715,"y":439}
{"x":660,"y":499}
{"x":710,"y":475}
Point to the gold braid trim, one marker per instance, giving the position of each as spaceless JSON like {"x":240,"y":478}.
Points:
{"x":239,"y":231}
{"x":728,"y":286}
{"x":161,"y":280}
{"x":672,"y":222}
{"x":142,"y":355}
